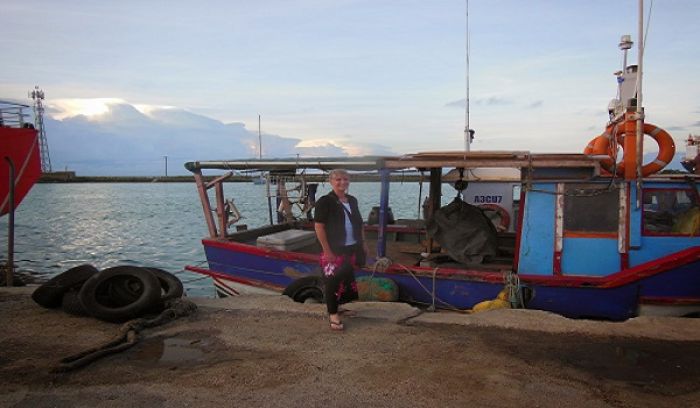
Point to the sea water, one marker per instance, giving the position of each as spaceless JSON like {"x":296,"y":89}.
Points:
{"x":59,"y":226}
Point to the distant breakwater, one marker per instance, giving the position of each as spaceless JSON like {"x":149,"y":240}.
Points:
{"x":71,"y":177}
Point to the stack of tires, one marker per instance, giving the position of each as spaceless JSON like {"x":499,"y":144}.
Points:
{"x":114,"y":294}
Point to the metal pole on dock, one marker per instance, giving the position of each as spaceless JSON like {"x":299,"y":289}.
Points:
{"x":10,"y":267}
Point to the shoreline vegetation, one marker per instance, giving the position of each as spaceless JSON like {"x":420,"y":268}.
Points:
{"x":71,"y":177}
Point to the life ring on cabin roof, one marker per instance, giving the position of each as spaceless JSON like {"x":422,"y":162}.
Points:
{"x":498,"y":216}
{"x":601,"y":146}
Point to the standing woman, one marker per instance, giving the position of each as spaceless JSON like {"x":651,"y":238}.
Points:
{"x":338,"y":225}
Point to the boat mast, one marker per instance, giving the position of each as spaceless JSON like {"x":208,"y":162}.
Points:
{"x":259,"y":139}
{"x":467,"y":131}
{"x":640,"y":109}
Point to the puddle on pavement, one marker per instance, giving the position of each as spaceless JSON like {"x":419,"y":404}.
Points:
{"x":172,"y":350}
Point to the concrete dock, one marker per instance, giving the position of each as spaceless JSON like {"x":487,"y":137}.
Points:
{"x":270,"y":351}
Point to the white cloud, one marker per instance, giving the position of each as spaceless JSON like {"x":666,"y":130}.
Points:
{"x":317,"y":69}
{"x":89,"y":107}
{"x":112,"y":137}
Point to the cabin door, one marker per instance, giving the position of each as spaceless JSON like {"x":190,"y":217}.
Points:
{"x":587,"y":229}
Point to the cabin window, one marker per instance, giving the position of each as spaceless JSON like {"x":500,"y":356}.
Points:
{"x":591,"y":209}
{"x":670,"y":212}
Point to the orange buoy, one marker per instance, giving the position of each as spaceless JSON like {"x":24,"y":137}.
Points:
{"x":602,"y":145}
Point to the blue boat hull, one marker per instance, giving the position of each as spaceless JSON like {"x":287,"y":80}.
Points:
{"x":616,"y":297}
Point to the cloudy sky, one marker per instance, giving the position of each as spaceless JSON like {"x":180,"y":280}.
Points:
{"x":130,"y":82}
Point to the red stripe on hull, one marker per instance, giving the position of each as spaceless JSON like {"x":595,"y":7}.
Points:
{"x":617,"y":279}
{"x":225,"y":276}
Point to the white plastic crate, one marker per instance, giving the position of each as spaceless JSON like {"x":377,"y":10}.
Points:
{"x":287,"y":240}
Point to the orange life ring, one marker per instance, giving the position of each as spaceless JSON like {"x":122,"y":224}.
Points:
{"x":503,"y":215}
{"x":589,"y":150}
{"x":601,"y":146}
{"x":599,"y":143}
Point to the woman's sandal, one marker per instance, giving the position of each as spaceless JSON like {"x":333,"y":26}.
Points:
{"x":336,"y":326}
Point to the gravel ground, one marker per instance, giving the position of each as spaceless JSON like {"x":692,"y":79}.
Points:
{"x":269,"y":351}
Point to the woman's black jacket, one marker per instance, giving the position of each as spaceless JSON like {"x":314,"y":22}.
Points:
{"x":330,"y":212}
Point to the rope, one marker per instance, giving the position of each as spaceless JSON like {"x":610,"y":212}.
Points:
{"x":383,"y":263}
{"x":512,"y":283}
{"x":128,"y":336}
{"x":183,"y":270}
{"x":432,"y":294}
{"x":195,"y":279}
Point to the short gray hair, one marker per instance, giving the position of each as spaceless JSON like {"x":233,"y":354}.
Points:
{"x":336,"y":172}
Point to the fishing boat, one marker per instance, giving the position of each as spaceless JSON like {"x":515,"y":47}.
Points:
{"x":581,"y":235}
{"x":19,"y":155}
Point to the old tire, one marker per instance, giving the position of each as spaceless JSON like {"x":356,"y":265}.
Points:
{"x":308,"y":287}
{"x":170,"y":284}
{"x":127,"y":289}
{"x":70,"y":303}
{"x":310,"y":295}
{"x":50,"y":294}
{"x":93,"y":299}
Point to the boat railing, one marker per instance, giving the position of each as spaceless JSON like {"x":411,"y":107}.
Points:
{"x":224,"y":214}
{"x":12,"y":115}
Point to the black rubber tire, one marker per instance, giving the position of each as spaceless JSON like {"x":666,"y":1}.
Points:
{"x":309,"y":293}
{"x":50,"y":294}
{"x":112,"y":310}
{"x":303,"y":288}
{"x":71,"y":303}
{"x":127,"y":289}
{"x":169,"y":283}
{"x":123,"y":290}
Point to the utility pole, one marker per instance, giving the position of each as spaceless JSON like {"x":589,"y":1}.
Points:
{"x":38,"y":95}
{"x":166,"y":166}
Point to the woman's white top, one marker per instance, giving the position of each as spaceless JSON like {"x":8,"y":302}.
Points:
{"x":349,"y":232}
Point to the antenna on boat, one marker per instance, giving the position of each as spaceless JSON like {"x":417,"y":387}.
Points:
{"x":259,"y":140}
{"x":641,"y":42}
{"x":468,"y":133}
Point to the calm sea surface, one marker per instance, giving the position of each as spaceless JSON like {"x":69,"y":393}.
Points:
{"x":59,"y":226}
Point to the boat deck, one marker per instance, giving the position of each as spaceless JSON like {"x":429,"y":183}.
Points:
{"x":406,"y":244}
